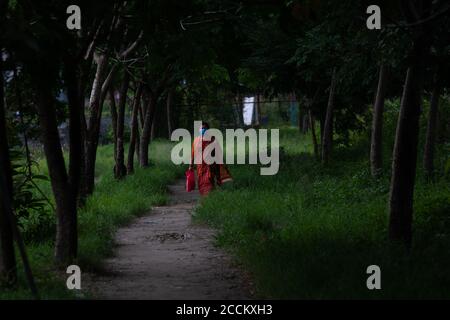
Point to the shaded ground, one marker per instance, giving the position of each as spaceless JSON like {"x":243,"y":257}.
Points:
{"x":165,"y":256}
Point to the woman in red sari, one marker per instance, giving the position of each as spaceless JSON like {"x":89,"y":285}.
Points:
{"x":207,"y":174}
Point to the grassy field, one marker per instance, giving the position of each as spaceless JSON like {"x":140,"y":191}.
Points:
{"x":310,"y":232}
{"x":114,"y":203}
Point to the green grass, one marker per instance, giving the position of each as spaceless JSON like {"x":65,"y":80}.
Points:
{"x":310,"y":232}
{"x":113,"y":204}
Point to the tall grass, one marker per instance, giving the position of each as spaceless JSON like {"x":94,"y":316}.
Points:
{"x":113,"y":204}
{"x":310,"y":232}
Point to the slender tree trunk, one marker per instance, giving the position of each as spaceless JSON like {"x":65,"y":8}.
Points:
{"x":154,"y":126}
{"x":428,"y":154}
{"x":239,"y":98}
{"x":322,"y":129}
{"x":85,"y":69}
{"x":91,"y":157}
{"x":66,"y":206}
{"x":142,"y":109}
{"x":138,"y":125}
{"x":280,"y":111}
{"x":113,"y":111}
{"x":305,"y":125}
{"x":83,"y":134}
{"x":98,"y":94}
{"x":93,"y":129}
{"x":377,"y":124}
{"x":120,"y":170}
{"x":134,"y":138}
{"x":313,"y":134}
{"x":93,"y":133}
{"x":9,"y":230}
{"x":169,"y":103}
{"x":146,"y":131}
{"x":239,"y":110}
{"x":300,"y":118}
{"x":328,"y":126}
{"x":405,"y":148}
{"x":8,"y":274}
{"x":258,"y":110}
{"x":76,"y":101}
{"x":138,"y":142}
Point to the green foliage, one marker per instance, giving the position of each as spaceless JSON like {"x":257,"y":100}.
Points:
{"x":30,"y":203}
{"x":288,"y":228}
{"x":310,"y":232}
{"x":49,"y":283}
{"x":109,"y":136}
{"x":113,"y":203}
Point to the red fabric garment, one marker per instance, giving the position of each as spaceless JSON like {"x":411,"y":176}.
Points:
{"x":224,"y":175}
{"x":190,"y":180}
{"x":204,"y":174}
{"x":205,"y":179}
{"x":208,"y":175}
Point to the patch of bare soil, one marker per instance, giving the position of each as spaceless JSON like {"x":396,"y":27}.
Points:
{"x":165,"y":256}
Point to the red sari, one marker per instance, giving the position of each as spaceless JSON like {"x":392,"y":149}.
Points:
{"x":208,"y":174}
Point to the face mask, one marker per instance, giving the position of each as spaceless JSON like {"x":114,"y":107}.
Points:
{"x":202,"y":131}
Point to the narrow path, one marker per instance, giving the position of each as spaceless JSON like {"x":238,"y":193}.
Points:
{"x":165,"y":256}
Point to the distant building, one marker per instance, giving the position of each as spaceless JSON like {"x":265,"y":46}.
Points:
{"x":249,"y":106}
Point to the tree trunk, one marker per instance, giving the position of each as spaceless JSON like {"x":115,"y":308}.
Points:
{"x":300,"y":118}
{"x":120,"y":170}
{"x":305,"y":125}
{"x":138,"y":136}
{"x":8,"y":274}
{"x":146,"y":131}
{"x":134,"y":137}
{"x":154,"y":127}
{"x":113,"y":111}
{"x":169,"y":103}
{"x":138,"y":144}
{"x":83,"y":134}
{"x":66,"y":207}
{"x":328,"y":126}
{"x":239,"y":110}
{"x":377,"y":124}
{"x":428,"y":154}
{"x":258,"y":110}
{"x":93,"y":133}
{"x":93,"y":129}
{"x":142,"y":110}
{"x":99,"y":90}
{"x":76,"y":101}
{"x":280,"y":111}
{"x":83,"y":80}
{"x":405,"y":148}
{"x":313,"y":134}
{"x":321,"y":127}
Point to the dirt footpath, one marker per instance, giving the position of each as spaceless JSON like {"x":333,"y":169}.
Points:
{"x":165,"y":256}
